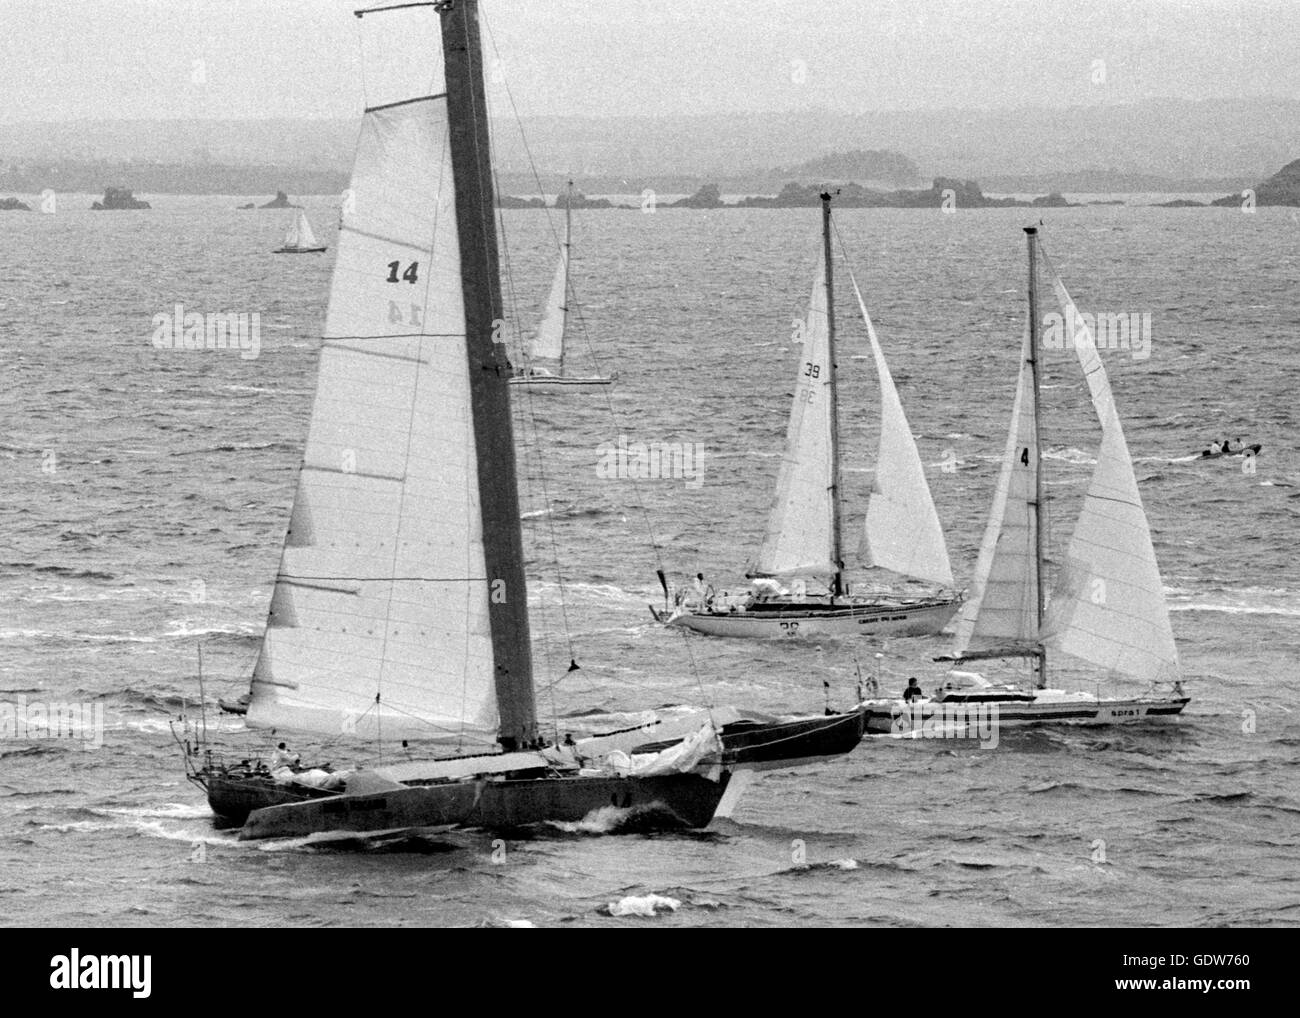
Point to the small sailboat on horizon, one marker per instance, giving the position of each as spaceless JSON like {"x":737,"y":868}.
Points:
{"x":548,"y":343}
{"x":803,"y":543}
{"x":1107,"y":607}
{"x":300,"y":239}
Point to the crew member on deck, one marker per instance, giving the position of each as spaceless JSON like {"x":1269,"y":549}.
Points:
{"x":703,"y":591}
{"x":283,"y":758}
{"x":913,"y":691}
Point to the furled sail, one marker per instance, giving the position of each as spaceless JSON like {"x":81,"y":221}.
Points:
{"x":1109,"y":607}
{"x":902,"y":531}
{"x":1002,"y":610}
{"x":302,"y":235}
{"x":379,"y":619}
{"x":799,"y":535}
{"x":548,"y":344}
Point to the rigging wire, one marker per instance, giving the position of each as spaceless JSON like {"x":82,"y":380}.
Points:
{"x":576,"y":312}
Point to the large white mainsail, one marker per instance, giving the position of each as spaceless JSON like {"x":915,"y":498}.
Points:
{"x":379,"y":620}
{"x":1108,"y":607}
{"x":1002,"y":610}
{"x":902,"y":532}
{"x":548,"y":344}
{"x":799,"y":536}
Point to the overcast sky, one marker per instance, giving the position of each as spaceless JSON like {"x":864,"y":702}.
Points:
{"x":62,"y":60}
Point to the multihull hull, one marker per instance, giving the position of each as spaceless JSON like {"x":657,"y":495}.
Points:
{"x":233,"y":798}
{"x":795,"y":620}
{"x":791,"y":742}
{"x":1044,"y":707}
{"x":686,"y":800}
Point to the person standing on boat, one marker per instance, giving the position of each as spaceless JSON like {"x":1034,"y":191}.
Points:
{"x":703,"y":591}
{"x":283,"y":758}
{"x":913,"y":691}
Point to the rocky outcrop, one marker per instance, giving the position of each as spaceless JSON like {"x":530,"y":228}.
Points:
{"x":581,"y":201}
{"x":1055,"y":200}
{"x":707,"y":197}
{"x":280,"y":201}
{"x":1283,"y":188}
{"x":119,"y":198}
{"x":798,"y":196}
{"x":944,"y":193}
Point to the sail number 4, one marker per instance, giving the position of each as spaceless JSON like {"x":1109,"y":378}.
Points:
{"x":410,"y":275}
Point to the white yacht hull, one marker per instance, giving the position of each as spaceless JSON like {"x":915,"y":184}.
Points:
{"x":798,"y":620}
{"x":1007,"y":709}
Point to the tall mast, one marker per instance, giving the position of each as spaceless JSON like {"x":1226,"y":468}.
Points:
{"x":489,"y":368}
{"x":564,"y":299}
{"x":1031,"y":236}
{"x":837,"y":556}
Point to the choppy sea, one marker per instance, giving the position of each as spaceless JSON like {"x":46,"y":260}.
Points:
{"x":148,"y":490}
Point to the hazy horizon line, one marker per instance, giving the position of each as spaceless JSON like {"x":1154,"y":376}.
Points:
{"x":800,"y":111}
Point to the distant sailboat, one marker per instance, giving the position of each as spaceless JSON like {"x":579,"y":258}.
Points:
{"x":803,"y":542}
{"x":400,"y":609}
{"x":300,"y":239}
{"x":1108,"y":607}
{"x":549,"y":341}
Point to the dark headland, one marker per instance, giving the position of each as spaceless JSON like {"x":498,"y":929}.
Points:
{"x":119,"y":198}
{"x":1283,"y":188}
{"x":280,"y":201}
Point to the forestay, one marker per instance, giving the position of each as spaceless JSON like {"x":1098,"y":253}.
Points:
{"x":1108,"y":607}
{"x":799,"y":531}
{"x":379,"y":619}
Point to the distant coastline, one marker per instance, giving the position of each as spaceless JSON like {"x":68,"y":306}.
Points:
{"x":18,"y":180}
{"x":32,"y":176}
